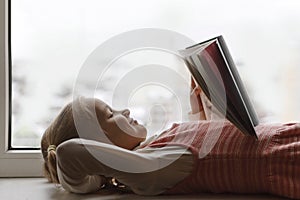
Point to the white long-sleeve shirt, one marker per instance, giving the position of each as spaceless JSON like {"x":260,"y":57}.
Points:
{"x":80,"y":172}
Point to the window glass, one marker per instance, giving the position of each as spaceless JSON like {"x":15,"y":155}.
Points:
{"x":52,"y":39}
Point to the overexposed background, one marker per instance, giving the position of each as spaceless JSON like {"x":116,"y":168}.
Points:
{"x":52,"y":39}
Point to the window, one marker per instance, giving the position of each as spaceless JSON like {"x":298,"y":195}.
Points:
{"x":50,"y":41}
{"x":13,"y":163}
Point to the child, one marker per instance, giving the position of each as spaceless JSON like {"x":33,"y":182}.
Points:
{"x":180,"y":160}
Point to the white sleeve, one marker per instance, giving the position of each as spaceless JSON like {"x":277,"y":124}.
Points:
{"x":74,"y":172}
{"x":84,"y":164}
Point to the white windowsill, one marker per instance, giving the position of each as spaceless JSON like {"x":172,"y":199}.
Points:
{"x":39,"y":188}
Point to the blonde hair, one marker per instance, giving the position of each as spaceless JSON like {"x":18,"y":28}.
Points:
{"x":61,"y":129}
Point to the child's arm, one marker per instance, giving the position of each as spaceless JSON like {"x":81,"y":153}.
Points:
{"x":83,"y":166}
{"x":197,"y":109}
{"x":201,"y":107}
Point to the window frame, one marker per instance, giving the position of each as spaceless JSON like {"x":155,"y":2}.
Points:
{"x":13,"y":162}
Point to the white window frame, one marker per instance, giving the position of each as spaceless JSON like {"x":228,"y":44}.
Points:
{"x":13,"y":163}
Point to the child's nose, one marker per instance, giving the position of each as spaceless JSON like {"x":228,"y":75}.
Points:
{"x":126,"y":112}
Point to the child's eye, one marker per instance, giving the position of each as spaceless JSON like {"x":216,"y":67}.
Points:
{"x":111,"y":114}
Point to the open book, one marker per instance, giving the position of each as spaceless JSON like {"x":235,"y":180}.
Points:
{"x":212,"y":67}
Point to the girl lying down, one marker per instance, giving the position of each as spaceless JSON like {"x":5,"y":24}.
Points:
{"x":171,"y":162}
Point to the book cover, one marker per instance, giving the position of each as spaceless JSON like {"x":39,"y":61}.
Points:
{"x":212,"y":67}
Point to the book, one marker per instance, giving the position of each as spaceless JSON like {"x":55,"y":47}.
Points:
{"x":213,"y":69}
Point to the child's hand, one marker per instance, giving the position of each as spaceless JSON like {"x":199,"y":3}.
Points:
{"x":195,"y":99}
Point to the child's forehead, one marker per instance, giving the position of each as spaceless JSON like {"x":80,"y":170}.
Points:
{"x":101,"y":104}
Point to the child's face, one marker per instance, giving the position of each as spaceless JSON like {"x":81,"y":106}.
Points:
{"x":120,"y":128}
